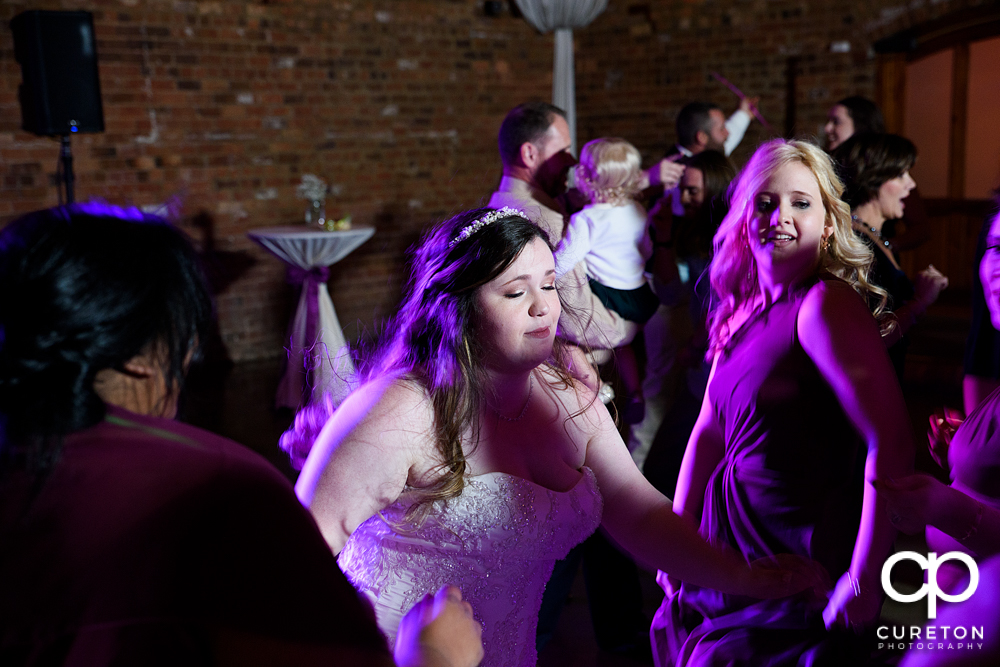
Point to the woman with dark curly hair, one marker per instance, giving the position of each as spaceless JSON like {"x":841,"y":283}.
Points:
{"x":875,"y":169}
{"x":471,"y":455}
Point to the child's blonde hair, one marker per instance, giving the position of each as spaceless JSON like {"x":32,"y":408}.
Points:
{"x":609,"y":171}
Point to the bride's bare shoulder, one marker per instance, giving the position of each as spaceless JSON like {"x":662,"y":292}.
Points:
{"x":394,"y":399}
{"x":575,"y":401}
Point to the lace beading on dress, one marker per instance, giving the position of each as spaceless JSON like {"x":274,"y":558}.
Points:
{"x":498,"y":541}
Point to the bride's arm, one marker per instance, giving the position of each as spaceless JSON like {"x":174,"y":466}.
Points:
{"x":642,"y":521}
{"x":705,"y":448}
{"x":364,"y":455}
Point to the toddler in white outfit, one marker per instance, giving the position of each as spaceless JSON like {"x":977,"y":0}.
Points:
{"x":610,"y":235}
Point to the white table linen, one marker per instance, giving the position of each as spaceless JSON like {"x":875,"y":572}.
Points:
{"x":318,"y":358}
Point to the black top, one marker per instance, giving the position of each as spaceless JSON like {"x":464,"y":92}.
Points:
{"x":885,"y":274}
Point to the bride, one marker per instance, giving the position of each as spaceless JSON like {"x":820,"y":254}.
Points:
{"x":469,"y":456}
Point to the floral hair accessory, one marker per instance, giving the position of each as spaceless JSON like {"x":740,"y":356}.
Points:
{"x":487,"y":219}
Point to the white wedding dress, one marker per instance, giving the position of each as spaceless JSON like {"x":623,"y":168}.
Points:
{"x":497,"y":541}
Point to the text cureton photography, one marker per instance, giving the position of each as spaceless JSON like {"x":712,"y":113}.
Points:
{"x":931,"y":636}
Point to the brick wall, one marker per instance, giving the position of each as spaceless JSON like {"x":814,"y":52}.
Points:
{"x":641,"y":61}
{"x":224,"y":105}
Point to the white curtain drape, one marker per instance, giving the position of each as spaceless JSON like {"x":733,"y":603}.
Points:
{"x":562,"y":16}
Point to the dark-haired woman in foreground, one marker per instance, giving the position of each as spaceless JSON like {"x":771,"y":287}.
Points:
{"x":799,"y":373}
{"x":470,"y":455}
{"x":127,"y":538}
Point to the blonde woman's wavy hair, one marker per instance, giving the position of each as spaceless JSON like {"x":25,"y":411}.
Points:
{"x":733,"y":271}
{"x":610,"y":171}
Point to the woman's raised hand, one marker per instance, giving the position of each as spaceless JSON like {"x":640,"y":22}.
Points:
{"x":666,"y":172}
{"x":928,"y":285}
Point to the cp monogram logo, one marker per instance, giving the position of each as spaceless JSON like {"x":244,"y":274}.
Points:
{"x":930,"y":589}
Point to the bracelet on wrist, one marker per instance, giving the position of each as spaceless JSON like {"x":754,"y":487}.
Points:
{"x":857,"y":586}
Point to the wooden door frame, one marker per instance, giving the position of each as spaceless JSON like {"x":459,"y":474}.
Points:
{"x":955,"y":31}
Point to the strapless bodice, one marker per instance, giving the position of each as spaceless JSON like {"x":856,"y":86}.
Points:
{"x":497,"y":541}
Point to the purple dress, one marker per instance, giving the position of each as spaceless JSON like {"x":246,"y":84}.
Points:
{"x":789,"y":482}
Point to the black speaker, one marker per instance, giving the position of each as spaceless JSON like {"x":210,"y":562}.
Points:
{"x":60,"y":92}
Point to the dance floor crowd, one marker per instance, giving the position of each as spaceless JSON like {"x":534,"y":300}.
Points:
{"x":745,"y":328}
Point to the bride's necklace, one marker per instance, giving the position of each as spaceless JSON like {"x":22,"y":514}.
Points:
{"x":531,"y":385}
{"x":858,"y":222}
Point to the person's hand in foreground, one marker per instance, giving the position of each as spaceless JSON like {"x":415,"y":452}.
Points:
{"x":912,"y":502}
{"x":440,"y":631}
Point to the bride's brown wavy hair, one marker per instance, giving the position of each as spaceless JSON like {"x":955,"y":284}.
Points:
{"x":433,"y":338}
{"x":733,"y":271}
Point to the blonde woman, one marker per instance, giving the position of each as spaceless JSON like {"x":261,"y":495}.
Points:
{"x":801,"y":397}
{"x":609,"y":234}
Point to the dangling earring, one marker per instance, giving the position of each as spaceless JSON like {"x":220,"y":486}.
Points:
{"x":828,"y":244}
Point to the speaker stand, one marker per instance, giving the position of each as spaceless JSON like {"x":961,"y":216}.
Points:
{"x":66,"y":158}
